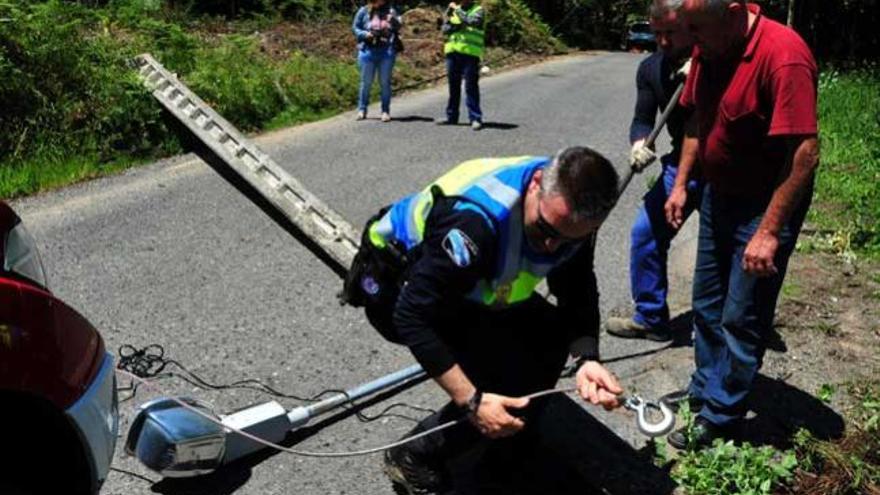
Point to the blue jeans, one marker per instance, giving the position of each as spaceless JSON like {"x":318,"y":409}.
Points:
{"x":371,"y":62}
{"x":459,"y":65}
{"x":649,"y":248}
{"x":733,"y":311}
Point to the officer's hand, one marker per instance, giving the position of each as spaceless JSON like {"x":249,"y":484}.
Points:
{"x":492,"y":418}
{"x":598,"y":386}
{"x":641,"y":156}
{"x":369,"y":35}
{"x":758,"y":256}
{"x":674,"y":207}
{"x":453,"y":6}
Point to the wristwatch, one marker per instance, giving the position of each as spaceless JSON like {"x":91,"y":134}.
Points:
{"x":473,"y":404}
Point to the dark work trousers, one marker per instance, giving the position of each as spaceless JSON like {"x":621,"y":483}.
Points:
{"x":511,"y":352}
{"x":459,"y":65}
{"x":733,"y":310}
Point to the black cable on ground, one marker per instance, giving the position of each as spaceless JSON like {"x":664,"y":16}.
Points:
{"x":150,"y":362}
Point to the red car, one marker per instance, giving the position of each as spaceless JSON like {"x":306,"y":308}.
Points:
{"x":58,"y":402}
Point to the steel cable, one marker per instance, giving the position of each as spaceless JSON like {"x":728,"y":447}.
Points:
{"x":306,"y":453}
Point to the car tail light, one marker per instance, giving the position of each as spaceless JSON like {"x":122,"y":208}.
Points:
{"x":22,"y":256}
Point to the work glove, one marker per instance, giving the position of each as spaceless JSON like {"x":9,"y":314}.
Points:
{"x":641,"y":156}
{"x":682,"y":73}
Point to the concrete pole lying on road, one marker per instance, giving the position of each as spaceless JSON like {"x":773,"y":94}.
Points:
{"x":160,"y":435}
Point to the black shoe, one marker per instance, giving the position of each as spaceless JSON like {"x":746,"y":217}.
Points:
{"x":703,"y":434}
{"x":675,"y":399}
{"x":627,"y":328}
{"x":409,"y":476}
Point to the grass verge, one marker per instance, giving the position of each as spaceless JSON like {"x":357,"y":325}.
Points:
{"x":846,"y":206}
{"x":74,"y":109}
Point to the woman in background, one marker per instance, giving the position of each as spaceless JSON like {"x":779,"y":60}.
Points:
{"x":376,"y":26}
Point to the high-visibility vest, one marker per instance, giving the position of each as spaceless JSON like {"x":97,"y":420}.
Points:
{"x":468,"y":40}
{"x":495,"y":188}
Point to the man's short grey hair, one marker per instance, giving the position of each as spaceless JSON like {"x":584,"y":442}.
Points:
{"x":661,"y":8}
{"x":586,"y":180}
{"x":717,"y":6}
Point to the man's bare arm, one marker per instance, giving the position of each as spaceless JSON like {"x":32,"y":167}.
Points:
{"x":796,"y":178}
{"x":687,"y":165}
{"x":689,"y":147}
{"x":802,"y":164}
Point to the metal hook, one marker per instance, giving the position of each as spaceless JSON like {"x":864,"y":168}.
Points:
{"x":640,"y":407}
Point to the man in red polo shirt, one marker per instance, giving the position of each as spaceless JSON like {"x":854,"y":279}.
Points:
{"x":753,"y":139}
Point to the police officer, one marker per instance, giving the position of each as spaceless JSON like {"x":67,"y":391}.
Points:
{"x":466,"y":40}
{"x":451,"y":272}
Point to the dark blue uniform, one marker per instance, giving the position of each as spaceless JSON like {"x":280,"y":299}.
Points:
{"x":497,"y":348}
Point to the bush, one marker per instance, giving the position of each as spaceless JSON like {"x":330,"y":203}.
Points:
{"x":847,"y":198}
{"x":70,"y":95}
{"x":77,"y":96}
{"x":512,"y":24}
{"x":244,"y":84}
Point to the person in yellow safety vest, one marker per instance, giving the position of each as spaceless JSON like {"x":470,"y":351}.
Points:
{"x":466,"y":40}
{"x":451,"y":272}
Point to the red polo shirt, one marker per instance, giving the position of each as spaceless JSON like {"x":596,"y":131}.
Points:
{"x":745,"y":105}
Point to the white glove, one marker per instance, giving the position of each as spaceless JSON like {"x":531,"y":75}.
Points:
{"x":641,"y":156}
{"x":684,"y":70}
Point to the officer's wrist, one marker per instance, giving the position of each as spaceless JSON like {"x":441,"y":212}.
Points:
{"x":472,"y":405}
{"x":584,"y":359}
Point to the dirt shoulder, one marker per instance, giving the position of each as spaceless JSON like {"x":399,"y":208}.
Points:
{"x":826,"y":344}
{"x":829,"y":320}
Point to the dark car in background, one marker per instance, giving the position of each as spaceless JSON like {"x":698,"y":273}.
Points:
{"x":640,"y":37}
{"x":58,"y":402}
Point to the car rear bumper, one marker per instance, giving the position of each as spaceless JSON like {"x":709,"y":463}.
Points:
{"x":96,"y":417}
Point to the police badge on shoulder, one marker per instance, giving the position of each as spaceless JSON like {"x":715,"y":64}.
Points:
{"x":460,"y":248}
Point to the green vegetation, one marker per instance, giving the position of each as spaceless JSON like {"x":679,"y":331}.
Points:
{"x":847,"y":198}
{"x":851,"y":465}
{"x":74,"y":108}
{"x":727,"y":468}
{"x":512,"y":23}
{"x":848,"y":466}
{"x":826,"y":392}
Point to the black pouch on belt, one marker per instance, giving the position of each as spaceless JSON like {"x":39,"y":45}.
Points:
{"x":376,"y":274}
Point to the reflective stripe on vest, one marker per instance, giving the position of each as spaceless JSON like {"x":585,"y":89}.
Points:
{"x":468,"y":40}
{"x":498,"y":187}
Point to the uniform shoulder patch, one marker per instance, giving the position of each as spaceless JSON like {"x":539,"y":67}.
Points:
{"x":460,"y":248}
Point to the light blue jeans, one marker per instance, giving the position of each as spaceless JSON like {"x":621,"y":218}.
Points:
{"x":372,"y":62}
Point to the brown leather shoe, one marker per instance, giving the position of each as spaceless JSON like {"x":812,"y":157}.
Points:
{"x":627,"y":328}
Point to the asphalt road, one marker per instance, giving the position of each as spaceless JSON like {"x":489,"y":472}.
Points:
{"x":172,"y":254}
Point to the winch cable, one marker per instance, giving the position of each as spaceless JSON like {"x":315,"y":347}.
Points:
{"x":150,"y":362}
{"x":307,"y":453}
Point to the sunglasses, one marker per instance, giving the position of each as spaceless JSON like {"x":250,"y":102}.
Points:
{"x":549,"y":232}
